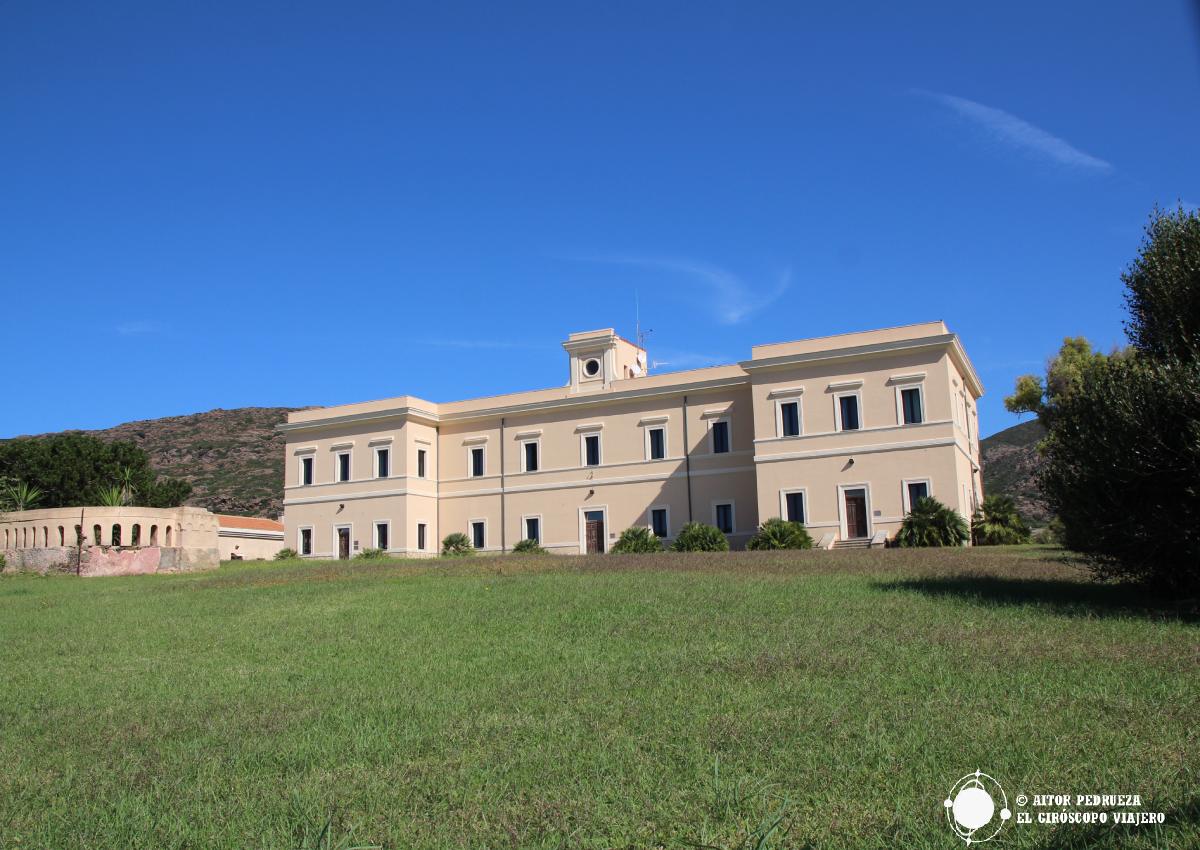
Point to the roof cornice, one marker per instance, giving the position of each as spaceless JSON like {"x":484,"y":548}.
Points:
{"x":366,"y":416}
{"x":947,"y":340}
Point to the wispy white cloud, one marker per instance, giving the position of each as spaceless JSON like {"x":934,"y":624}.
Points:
{"x":1019,"y":133}
{"x":674,"y":360}
{"x":731,"y":298}
{"x":139,"y":328}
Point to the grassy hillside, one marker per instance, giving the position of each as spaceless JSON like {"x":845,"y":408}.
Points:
{"x":234,"y":458}
{"x":810,"y":699}
{"x":1010,"y":462}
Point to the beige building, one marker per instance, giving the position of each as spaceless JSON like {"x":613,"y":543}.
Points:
{"x":841,"y":433}
{"x":248,"y":538}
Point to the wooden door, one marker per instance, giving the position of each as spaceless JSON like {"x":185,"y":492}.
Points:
{"x":856,"y":513}
{"x":343,"y":544}
{"x":593,"y":526}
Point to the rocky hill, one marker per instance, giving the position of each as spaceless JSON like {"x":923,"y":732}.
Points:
{"x":1010,"y":461}
{"x":233,"y":458}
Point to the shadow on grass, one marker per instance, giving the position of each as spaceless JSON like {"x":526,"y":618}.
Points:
{"x":1068,"y":598}
{"x":1180,"y":829}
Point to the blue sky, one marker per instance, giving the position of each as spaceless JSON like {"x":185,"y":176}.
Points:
{"x":219,"y":205}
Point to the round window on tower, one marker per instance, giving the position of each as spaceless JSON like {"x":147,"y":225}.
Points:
{"x":591,"y":367}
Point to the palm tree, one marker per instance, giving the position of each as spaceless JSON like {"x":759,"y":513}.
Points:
{"x":930,"y":523}
{"x":112,"y":496}
{"x":778,"y":533}
{"x":21,"y":496}
{"x":125,"y":482}
{"x":997,"y":523}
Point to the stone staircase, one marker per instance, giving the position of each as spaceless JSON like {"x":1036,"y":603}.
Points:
{"x":857,"y":543}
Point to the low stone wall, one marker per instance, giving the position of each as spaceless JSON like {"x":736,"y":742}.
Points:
{"x":104,"y":541}
{"x":91,"y":561}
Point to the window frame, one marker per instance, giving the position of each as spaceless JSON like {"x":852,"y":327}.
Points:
{"x":837,"y":409}
{"x":906,"y":499}
{"x":471,"y":461}
{"x":536,"y":442}
{"x":337,"y":467}
{"x":901,"y":389}
{"x":382,"y":450}
{"x":657,"y":426}
{"x":422,"y":463}
{"x":779,"y":403}
{"x":583,"y":459}
{"x":732,"y":515}
{"x":471,"y":523}
{"x":308,"y":461}
{"x":386,"y":523}
{"x":666,"y":509}
{"x":712,"y":443}
{"x":312,"y":540}
{"x":790,"y":491}
{"x":422,"y":535}
{"x":525,"y":527}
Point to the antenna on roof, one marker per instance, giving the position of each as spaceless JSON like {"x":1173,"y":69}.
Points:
{"x":639,"y":334}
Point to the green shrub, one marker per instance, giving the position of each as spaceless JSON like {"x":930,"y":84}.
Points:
{"x":930,"y":523}
{"x":457,"y":545}
{"x":997,"y":523}
{"x":778,"y":533}
{"x":286,"y":554}
{"x":700,"y":537}
{"x":636,"y":539}
{"x":3,"y":563}
{"x":1051,"y":535}
{"x":371,"y":555}
{"x":528,"y":547}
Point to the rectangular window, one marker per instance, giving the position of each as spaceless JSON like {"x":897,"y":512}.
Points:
{"x":381,"y":535}
{"x":533,"y":528}
{"x":910,"y":402}
{"x":383,"y":462}
{"x":477,"y":462}
{"x":789,"y":419}
{"x":591,"y":450}
{"x":720,"y":436}
{"x":917,"y":490}
{"x":306,"y":470}
{"x":658,"y":522}
{"x":531,"y":456}
{"x":658,"y":443}
{"x":723,"y":517}
{"x":420,"y":463}
{"x":343,"y":466}
{"x":794,"y":507}
{"x":478,"y":534}
{"x":421,"y":536}
{"x":848,"y":410}
{"x":306,"y":541}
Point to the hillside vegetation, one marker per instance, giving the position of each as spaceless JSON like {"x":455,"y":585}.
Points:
{"x":1010,"y":463}
{"x":232,"y":458}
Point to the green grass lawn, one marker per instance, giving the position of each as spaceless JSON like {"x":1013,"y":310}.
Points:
{"x":808,"y":699}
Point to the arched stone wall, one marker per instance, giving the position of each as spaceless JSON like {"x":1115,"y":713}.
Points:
{"x":109,"y":541}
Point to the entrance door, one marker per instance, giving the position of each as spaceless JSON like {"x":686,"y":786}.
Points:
{"x":856,"y":513}
{"x":343,"y":535}
{"x":593,"y":531}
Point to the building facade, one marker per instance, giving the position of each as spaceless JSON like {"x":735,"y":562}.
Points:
{"x":842,"y":433}
{"x":248,"y":538}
